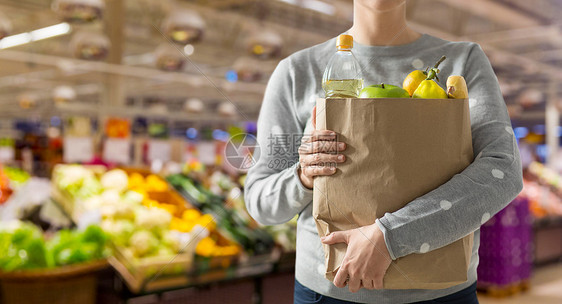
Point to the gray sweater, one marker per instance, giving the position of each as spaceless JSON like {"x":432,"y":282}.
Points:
{"x":274,"y":193}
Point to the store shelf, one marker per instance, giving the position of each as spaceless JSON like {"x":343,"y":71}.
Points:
{"x":160,"y":283}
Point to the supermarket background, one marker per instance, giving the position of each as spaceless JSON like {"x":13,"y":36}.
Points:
{"x":158,"y":87}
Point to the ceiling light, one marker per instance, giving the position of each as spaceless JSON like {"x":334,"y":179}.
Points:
{"x":50,"y":31}
{"x":264,"y":43}
{"x":247,"y":69}
{"x":64,"y":93}
{"x":184,"y":26}
{"x":169,"y":57}
{"x":15,"y":40}
{"x":193,"y":105}
{"x":90,"y":45}
{"x":315,"y":5}
{"x":319,"y":6}
{"x":79,"y":11}
{"x":39,"y":34}
{"x":188,"y":49}
{"x":227,"y":109}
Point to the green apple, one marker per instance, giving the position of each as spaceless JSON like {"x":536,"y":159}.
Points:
{"x":383,"y":91}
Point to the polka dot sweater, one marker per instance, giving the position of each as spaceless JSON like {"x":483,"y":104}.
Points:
{"x":274,"y":193}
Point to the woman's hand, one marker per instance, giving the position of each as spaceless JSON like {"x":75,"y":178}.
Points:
{"x":319,"y":154}
{"x":366,"y":259}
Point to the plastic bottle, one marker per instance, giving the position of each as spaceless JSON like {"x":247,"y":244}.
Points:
{"x":342,"y":77}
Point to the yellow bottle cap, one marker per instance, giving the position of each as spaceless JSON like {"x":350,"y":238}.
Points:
{"x":344,"y":42}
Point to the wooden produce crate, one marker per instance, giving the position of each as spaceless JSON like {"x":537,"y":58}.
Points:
{"x":158,"y":272}
{"x":204,"y":264}
{"x":67,"y":284}
{"x":73,"y":208}
{"x":171,"y":197}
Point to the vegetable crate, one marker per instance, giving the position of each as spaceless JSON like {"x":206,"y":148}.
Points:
{"x":234,"y":227}
{"x":141,"y":274}
{"x":67,"y":284}
{"x":506,"y":250}
{"x":73,"y":208}
{"x":206,"y":263}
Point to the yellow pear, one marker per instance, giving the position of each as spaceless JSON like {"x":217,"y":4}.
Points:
{"x":429,"y":89}
{"x":413,"y":80}
{"x":456,"y":87}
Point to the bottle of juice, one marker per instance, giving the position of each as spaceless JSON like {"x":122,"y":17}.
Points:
{"x":342,"y":77}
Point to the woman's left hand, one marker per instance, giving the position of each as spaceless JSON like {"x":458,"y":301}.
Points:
{"x":366,"y":259}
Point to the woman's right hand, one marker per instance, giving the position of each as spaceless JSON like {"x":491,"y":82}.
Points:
{"x":318,"y":154}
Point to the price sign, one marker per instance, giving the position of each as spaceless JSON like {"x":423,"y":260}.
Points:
{"x":78,"y":149}
{"x":159,"y":150}
{"x":7,"y":154}
{"x":207,"y":152}
{"x":117,"y":150}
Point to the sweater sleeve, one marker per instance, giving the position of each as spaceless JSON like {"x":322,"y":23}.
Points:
{"x":273,"y":192}
{"x":471,"y":197}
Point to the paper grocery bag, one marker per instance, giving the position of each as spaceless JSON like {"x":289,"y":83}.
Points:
{"x":397,"y":150}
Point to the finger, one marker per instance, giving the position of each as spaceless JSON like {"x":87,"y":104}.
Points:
{"x":314,"y":117}
{"x":340,"y":280}
{"x":321,"y":159}
{"x":354,"y":284}
{"x":317,"y":135}
{"x":312,"y":171}
{"x":368,"y":284}
{"x":378,"y":283}
{"x":335,"y":237}
{"x":321,"y":146}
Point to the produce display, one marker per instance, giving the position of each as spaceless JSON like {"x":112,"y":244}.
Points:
{"x":16,"y":176}
{"x":5,"y":189}
{"x":117,"y":128}
{"x":141,"y":231}
{"x":145,"y":228}
{"x":232,"y":223}
{"x":137,"y":182}
{"x":24,"y":246}
{"x":222,"y":184}
{"x":11,"y":179}
{"x":285,"y":234}
{"x":142,"y":217}
{"x":183,"y":219}
{"x":543,"y":187}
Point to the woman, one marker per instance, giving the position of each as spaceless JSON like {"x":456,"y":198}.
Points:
{"x":279,"y":186}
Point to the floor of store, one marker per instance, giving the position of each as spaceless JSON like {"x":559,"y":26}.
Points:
{"x":546,"y":288}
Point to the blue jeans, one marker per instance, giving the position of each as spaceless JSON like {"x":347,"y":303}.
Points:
{"x":303,"y":295}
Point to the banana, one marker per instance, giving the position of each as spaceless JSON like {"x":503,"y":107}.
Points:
{"x":456,"y":87}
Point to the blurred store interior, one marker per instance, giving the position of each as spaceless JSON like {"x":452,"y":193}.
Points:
{"x":159,"y":87}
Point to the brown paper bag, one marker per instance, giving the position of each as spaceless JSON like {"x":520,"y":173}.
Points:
{"x":397,"y":150}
